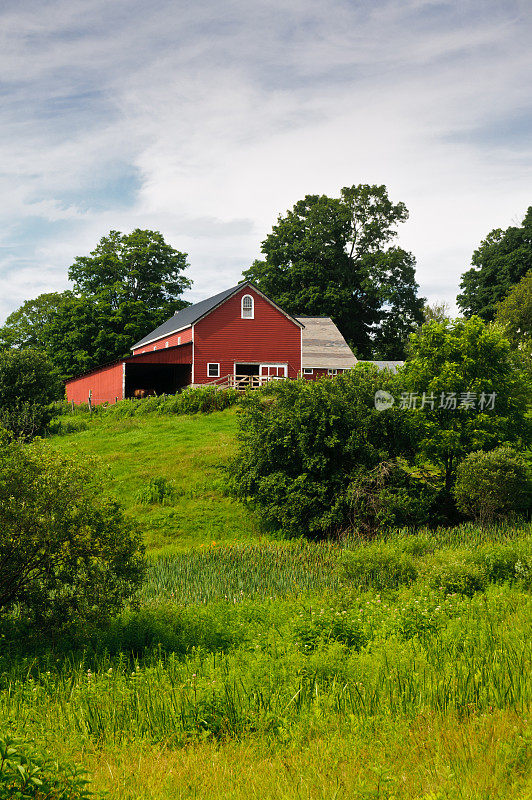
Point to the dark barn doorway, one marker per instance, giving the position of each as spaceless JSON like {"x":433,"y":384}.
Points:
{"x":157,"y":378}
{"x":247,"y":369}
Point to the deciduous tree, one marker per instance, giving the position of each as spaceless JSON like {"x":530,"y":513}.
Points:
{"x":333,"y":257}
{"x":500,"y":262}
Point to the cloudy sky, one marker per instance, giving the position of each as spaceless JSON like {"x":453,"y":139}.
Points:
{"x":205,"y":120}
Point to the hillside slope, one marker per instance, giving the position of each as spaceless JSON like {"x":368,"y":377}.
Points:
{"x":189,"y":450}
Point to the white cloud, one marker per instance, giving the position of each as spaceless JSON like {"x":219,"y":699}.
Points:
{"x":229,"y":113}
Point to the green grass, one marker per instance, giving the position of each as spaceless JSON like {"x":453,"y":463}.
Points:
{"x":190,"y":451}
{"x":397,"y":669}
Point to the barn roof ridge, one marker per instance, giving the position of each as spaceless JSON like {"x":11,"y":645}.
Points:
{"x":186,"y":317}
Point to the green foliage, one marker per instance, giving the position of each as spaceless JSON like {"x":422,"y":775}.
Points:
{"x":197,"y":400}
{"x":137,"y":267}
{"x":460,"y":357}
{"x":27,"y":773}
{"x":500,"y":262}
{"x":492,"y":484}
{"x":379,"y":566}
{"x":456,"y":576}
{"x":170,"y":628}
{"x":515,"y":313}
{"x":394,"y":494}
{"x":331,"y":257}
{"x":437,"y":312}
{"x":319,"y":627}
{"x":301,"y":449}
{"x":501,"y":561}
{"x":68,"y":554}
{"x":158,"y":490}
{"x":28,"y":385}
{"x":26,"y":328}
{"x":127,"y":286}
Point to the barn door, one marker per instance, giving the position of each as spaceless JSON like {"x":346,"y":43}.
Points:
{"x":273,"y":371}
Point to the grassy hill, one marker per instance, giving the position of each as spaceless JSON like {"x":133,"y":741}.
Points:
{"x":190,"y":451}
{"x":397,"y":669}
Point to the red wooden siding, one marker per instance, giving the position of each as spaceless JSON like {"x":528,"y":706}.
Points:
{"x":223,"y":337}
{"x":183,"y":336}
{"x":168,"y":355}
{"x":104,"y":384}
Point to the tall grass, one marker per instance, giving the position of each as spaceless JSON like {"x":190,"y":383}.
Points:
{"x":466,"y":656}
{"x":278,"y":642}
{"x":201,"y":399}
{"x":280,"y":569}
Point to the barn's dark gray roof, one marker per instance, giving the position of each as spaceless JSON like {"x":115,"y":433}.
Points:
{"x":191,"y":314}
{"x":324,"y":347}
{"x":187,"y":316}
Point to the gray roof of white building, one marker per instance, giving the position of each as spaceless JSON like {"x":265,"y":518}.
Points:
{"x":391,"y":365}
{"x":324,"y":347}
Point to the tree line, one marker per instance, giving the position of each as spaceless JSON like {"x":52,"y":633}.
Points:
{"x":327,"y":256}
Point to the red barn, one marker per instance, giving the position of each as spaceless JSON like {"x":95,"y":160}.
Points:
{"x":237,"y":337}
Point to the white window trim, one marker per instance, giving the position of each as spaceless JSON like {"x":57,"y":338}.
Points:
{"x":308,"y":371}
{"x":247,"y":316}
{"x":332,"y":372}
{"x":213,"y":364}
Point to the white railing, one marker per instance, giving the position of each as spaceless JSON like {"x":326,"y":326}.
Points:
{"x":243,"y":382}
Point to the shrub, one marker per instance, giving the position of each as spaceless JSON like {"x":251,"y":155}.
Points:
{"x":491,"y":484}
{"x":378,"y":566}
{"x":158,"y":490}
{"x":28,"y":385}
{"x":504,"y":562}
{"x":456,"y":576}
{"x":68,"y":554}
{"x":325,"y":625}
{"x":27,"y":773}
{"x":303,"y":443}
{"x":171,"y":628}
{"x":393,"y":495}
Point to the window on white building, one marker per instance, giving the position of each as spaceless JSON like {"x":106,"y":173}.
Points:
{"x":248,"y":309}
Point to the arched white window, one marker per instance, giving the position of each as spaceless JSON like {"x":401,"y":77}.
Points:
{"x":248,"y":307}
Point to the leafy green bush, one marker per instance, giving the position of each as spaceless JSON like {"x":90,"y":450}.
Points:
{"x":26,"y":773}
{"x":378,"y":566}
{"x":28,"y":385}
{"x":393,"y":495}
{"x":303,"y":443}
{"x":172,"y":628}
{"x":157,"y":490}
{"x":491,"y":484}
{"x":453,"y":575}
{"x":321,"y":626}
{"x":504,"y":562}
{"x":68,"y":554}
